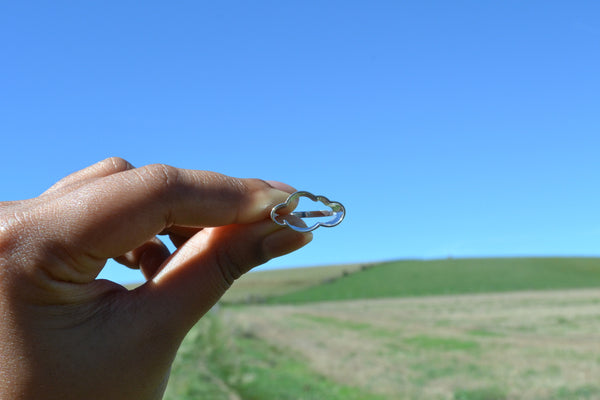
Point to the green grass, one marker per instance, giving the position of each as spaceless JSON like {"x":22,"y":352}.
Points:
{"x":336,"y":323}
{"x":488,"y":393}
{"x":485,"y":333}
{"x":453,"y":276}
{"x":579,"y":393}
{"x":220,"y":362}
{"x":191,"y":374}
{"x":432,"y":343}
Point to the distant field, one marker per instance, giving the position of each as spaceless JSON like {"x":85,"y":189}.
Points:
{"x":257,"y":286}
{"x":507,"y":346}
{"x":464,"y":329}
{"x":453,"y":276}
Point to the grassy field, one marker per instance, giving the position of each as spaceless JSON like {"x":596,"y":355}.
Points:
{"x":437,"y":337}
{"x":220,"y":360}
{"x":452,"y":276}
{"x":261,"y":285}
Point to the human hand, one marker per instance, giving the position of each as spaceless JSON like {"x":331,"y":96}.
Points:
{"x":66,"y":335}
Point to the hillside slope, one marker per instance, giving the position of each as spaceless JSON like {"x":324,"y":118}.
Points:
{"x":453,"y":276}
{"x":256,"y":286}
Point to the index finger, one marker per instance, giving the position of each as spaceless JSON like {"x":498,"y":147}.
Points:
{"x":112,"y":215}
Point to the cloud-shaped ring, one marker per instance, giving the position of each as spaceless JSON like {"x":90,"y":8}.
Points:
{"x":294,"y":219}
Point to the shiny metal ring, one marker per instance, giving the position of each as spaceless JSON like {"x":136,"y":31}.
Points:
{"x":294,"y":219}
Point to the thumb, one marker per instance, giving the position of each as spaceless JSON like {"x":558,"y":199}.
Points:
{"x":200,"y":272}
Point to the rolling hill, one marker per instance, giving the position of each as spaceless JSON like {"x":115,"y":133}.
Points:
{"x":451,"y":276}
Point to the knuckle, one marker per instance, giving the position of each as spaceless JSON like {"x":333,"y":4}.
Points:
{"x":227,"y":185}
{"x":18,"y":230}
{"x":9,"y":232}
{"x":159,"y":177}
{"x":116,"y":164}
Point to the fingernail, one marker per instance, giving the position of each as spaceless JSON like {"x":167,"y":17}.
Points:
{"x":282,"y":186}
{"x":260,"y":205}
{"x":274,"y":197}
{"x":285,"y":241}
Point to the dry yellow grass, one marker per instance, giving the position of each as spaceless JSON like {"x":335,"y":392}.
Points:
{"x":257,"y":285}
{"x":528,"y":345}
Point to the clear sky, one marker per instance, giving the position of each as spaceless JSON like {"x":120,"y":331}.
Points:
{"x":446,"y":128}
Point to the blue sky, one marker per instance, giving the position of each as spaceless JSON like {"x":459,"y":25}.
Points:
{"x":462,"y":128}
